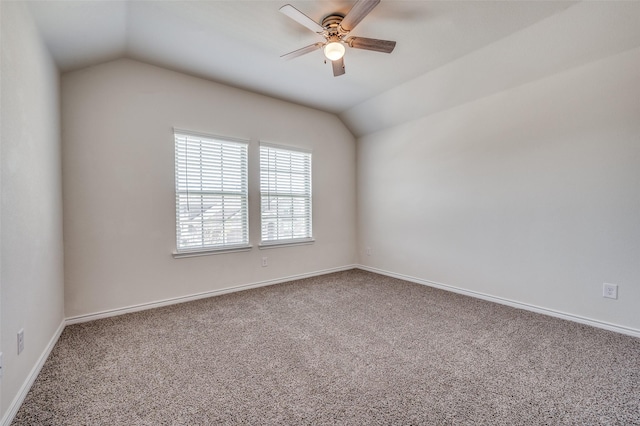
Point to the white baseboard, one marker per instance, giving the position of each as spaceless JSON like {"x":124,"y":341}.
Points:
{"x":33,"y":374}
{"x":189,"y":298}
{"x":545,"y":311}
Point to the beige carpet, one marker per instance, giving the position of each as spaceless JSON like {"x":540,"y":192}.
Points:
{"x":347,"y":348}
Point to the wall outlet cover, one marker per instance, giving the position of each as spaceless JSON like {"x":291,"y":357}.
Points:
{"x":610,"y":290}
{"x":20,"y":340}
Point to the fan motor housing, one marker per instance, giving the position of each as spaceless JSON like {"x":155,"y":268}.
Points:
{"x":331,"y":24}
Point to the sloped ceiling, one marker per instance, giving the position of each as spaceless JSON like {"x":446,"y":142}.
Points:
{"x":239,"y":43}
{"x":584,"y":33}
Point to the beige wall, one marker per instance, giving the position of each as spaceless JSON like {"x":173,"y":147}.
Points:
{"x":118,"y":176}
{"x":531,"y":194}
{"x":31,"y":276}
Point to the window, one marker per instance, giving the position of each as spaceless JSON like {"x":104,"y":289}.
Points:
{"x":211,"y":193}
{"x":285,"y":194}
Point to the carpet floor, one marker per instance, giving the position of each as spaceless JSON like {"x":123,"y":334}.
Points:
{"x":346,"y":348}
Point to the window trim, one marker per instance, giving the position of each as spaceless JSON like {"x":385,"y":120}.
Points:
{"x":206,"y":251}
{"x":280,"y":243}
{"x":201,"y":252}
{"x":268,"y":244}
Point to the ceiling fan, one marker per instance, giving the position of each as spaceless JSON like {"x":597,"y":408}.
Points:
{"x":335,"y":28}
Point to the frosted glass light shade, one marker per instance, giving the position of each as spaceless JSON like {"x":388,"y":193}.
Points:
{"x":334,"y":50}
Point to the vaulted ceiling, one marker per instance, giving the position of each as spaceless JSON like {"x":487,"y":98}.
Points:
{"x":239,"y":43}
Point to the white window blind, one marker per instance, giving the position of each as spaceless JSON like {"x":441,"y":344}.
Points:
{"x":211,"y":193}
{"x":285,"y":193}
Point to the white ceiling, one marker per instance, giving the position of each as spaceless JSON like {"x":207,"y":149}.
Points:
{"x":239,"y":42}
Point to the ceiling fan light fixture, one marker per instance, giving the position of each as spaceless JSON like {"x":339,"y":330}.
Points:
{"x":335,"y":28}
{"x":334,"y":50}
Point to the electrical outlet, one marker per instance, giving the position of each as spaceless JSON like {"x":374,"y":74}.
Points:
{"x":368,"y":251}
{"x":20,"y":341}
{"x":1,"y":364}
{"x":610,"y":290}
{"x":265,"y":261}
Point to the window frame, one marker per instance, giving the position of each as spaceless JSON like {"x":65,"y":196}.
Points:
{"x":309,"y":239}
{"x":243,"y":170}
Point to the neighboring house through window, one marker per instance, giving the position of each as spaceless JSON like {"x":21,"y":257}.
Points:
{"x":211,"y":193}
{"x":285,"y":194}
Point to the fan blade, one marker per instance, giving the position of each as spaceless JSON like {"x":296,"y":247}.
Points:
{"x":338,"y":67}
{"x":357,"y":14}
{"x":302,"y":51}
{"x":301,"y":18}
{"x":385,"y":46}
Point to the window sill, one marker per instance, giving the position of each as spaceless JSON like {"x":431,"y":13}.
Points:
{"x":286,"y":243}
{"x":195,"y":253}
